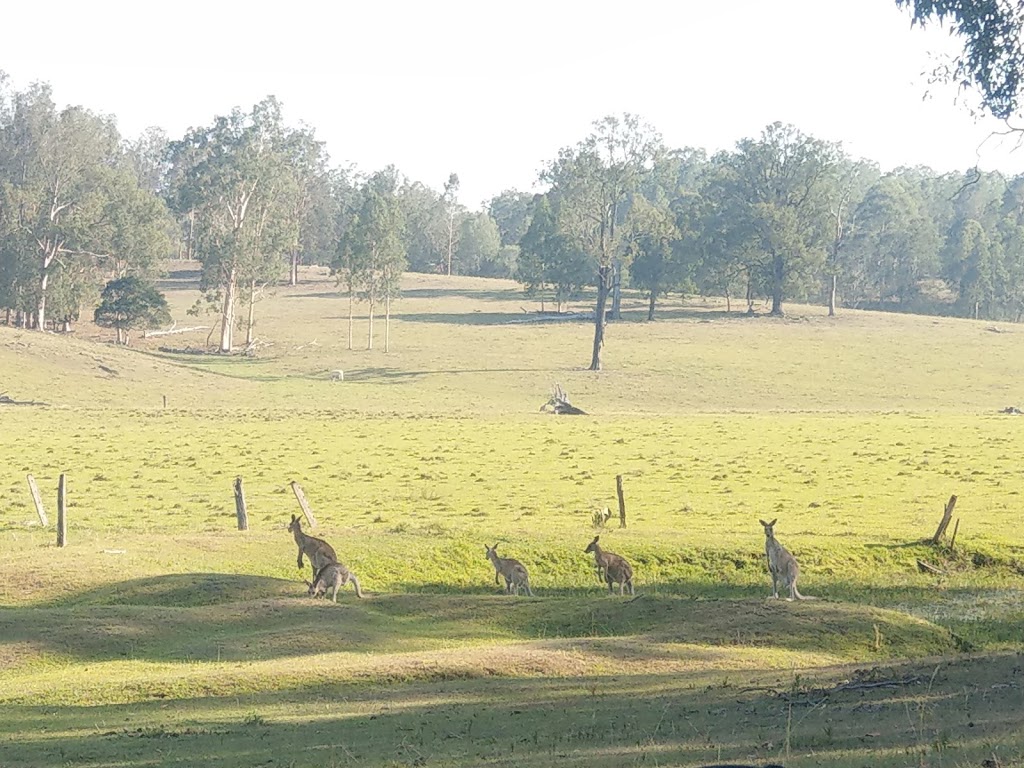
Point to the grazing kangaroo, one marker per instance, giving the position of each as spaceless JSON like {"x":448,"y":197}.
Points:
{"x":615,"y":568}
{"x":781,"y":565}
{"x":319,"y":552}
{"x":333,"y":575}
{"x":513,"y":571}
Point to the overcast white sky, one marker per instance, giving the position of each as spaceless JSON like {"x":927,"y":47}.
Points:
{"x":492,"y":90}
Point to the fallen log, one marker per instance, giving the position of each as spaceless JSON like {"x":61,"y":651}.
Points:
{"x":5,"y":399}
{"x":559,"y":404}
{"x":169,"y":331}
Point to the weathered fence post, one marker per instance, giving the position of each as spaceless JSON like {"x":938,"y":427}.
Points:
{"x":38,"y":501}
{"x":947,"y":513}
{"x":240,"y":511}
{"x":62,"y":518}
{"x":304,"y":504}
{"x":622,"y":501}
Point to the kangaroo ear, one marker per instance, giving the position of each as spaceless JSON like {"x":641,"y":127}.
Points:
{"x":762,"y":522}
{"x":773,"y":522}
{"x":293,"y":518}
{"x":595,"y":539}
{"x":495,"y":547}
{"x":308,"y":583}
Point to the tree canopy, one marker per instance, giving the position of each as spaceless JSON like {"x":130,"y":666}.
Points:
{"x":992,"y":62}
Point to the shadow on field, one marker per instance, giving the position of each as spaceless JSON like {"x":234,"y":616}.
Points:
{"x":425,"y":293}
{"x":206,"y":616}
{"x":467,"y":318}
{"x":396,"y":376}
{"x":957,"y":712}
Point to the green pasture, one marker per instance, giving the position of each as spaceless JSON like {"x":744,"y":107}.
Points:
{"x":163,"y":636}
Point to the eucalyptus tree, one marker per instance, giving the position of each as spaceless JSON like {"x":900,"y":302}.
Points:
{"x":312,"y":202}
{"x":479,"y":247}
{"x":511,"y":211}
{"x":992,"y":61}
{"x":895,"y":244}
{"x":845,"y":188}
{"x":973,"y":268}
{"x":69,"y":206}
{"x":450,"y":203}
{"x":775,"y":191}
{"x":549,"y":260}
{"x":239,"y":182}
{"x":148,"y":159}
{"x":655,"y":250}
{"x":592,"y":183}
{"x":423,"y":236}
{"x":373,"y":249}
{"x":129,"y":303}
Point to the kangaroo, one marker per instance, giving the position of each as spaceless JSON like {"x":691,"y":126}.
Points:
{"x":513,"y":571}
{"x":615,"y":568}
{"x":781,"y":565}
{"x":319,"y":552}
{"x":333,"y":575}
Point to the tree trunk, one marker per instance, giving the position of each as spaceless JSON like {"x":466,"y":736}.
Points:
{"x":351,"y":321}
{"x":295,"y":268}
{"x":728,"y":302}
{"x":252,"y":307}
{"x":832,"y":295}
{"x":451,"y":238}
{"x":617,"y":291}
{"x":599,"y":319}
{"x":44,"y":278}
{"x":778,"y":273}
{"x":387,"y":323}
{"x":369,"y":335}
{"x":650,"y":307}
{"x":228,"y":314}
{"x":190,"y":241}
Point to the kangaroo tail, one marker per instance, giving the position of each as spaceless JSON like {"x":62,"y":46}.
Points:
{"x":798,"y":596}
{"x":355,"y":583}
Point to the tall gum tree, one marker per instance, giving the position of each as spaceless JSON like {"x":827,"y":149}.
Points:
{"x":777,"y":193}
{"x":239,"y":184}
{"x":592,"y":183}
{"x":69,"y":205}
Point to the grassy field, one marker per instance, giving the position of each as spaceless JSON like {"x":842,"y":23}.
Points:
{"x":163,"y":636}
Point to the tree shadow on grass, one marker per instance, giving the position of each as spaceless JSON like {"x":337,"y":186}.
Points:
{"x":206,"y":616}
{"x":535,"y":721}
{"x":507,"y":294}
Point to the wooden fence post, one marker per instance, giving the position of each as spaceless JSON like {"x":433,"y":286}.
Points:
{"x":62,"y":518}
{"x":297,"y":489}
{"x":622,"y":501}
{"x":947,"y":513}
{"x":240,"y":511}
{"x":38,"y":501}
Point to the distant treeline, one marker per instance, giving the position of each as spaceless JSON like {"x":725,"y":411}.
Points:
{"x":783,"y":216}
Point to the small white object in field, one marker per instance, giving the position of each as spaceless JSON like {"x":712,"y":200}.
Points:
{"x":114,"y":551}
{"x":337,"y":375}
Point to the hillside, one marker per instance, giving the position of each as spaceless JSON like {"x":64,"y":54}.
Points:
{"x":459,"y":346}
{"x":162,"y":635}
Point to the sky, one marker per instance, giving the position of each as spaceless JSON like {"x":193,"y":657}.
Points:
{"x":491,"y":91}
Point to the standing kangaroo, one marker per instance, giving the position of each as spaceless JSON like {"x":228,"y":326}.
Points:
{"x":333,"y":575}
{"x":781,"y":565}
{"x":319,"y":552}
{"x":615,"y":568}
{"x":513,"y":571}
